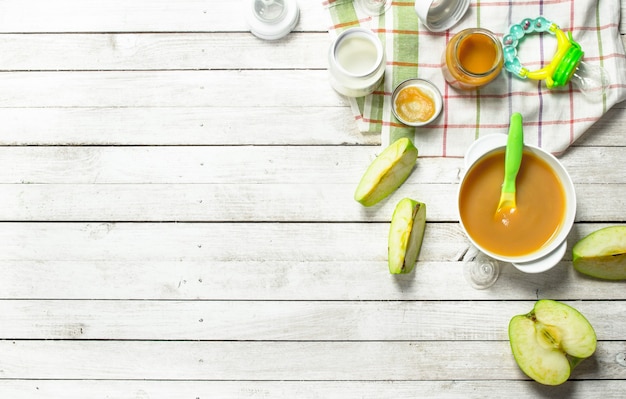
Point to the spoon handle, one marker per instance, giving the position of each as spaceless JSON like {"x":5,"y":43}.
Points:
{"x":513,"y":156}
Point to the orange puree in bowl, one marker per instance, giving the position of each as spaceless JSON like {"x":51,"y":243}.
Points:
{"x":540,"y":211}
{"x":413,"y":105}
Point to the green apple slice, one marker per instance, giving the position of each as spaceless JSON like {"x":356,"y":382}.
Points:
{"x":406,"y":233}
{"x":602,"y":254}
{"x":550,"y":341}
{"x":387,"y":172}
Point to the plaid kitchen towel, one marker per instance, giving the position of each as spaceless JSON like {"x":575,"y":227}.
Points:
{"x":553,"y":119}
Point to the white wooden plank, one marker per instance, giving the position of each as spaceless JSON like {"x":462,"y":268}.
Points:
{"x":213,"y":241}
{"x":226,"y":242}
{"x":217,"y":88}
{"x":269,"y":360}
{"x":257,"y":164}
{"x":586,"y":164}
{"x":264,"y":262}
{"x":222,"y":165}
{"x":181,"y":126}
{"x":607,"y":130}
{"x":139,"y":16}
{"x":54,"y":389}
{"x":284,"y":320}
{"x":317,"y":181}
{"x":316,"y":202}
{"x":158,"y":51}
{"x":219,"y":125}
{"x":227,"y":202}
{"x":143,"y":15}
{"x":139,"y":51}
{"x":286,"y":280}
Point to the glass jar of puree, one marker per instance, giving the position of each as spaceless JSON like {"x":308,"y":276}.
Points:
{"x":472,"y":58}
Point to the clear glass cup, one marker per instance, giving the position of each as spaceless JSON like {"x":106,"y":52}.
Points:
{"x":373,"y":7}
{"x":480,"y":271}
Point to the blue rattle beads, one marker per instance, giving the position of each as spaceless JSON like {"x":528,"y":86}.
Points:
{"x":511,"y":40}
{"x":566,"y":65}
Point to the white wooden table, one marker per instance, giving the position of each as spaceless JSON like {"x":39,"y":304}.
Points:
{"x":177,"y":221}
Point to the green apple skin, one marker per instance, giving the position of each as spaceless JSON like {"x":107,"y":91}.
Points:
{"x":406,"y":234}
{"x":387,"y":172}
{"x":602,"y":254}
{"x":550,"y":341}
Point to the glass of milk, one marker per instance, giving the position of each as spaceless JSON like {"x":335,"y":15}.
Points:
{"x":356,"y":62}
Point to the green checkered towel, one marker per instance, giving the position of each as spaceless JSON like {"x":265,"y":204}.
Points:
{"x":553,"y":119}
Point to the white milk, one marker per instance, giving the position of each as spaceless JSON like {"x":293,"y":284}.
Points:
{"x":357,"y":55}
{"x":356,"y":62}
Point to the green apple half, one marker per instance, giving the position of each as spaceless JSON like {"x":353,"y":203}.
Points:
{"x":387,"y":172}
{"x":550,"y":341}
{"x":406,"y":233}
{"x":602,"y":254}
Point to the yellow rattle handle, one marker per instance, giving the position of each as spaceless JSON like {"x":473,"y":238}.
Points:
{"x":565,"y":61}
{"x":562,"y":46}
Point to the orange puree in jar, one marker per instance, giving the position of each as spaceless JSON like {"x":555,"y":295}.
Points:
{"x":472,"y":58}
{"x":413,"y":105}
{"x":477,"y":53}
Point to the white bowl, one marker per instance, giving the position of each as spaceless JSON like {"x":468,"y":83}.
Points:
{"x":550,"y":254}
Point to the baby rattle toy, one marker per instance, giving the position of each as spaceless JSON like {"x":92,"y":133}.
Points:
{"x":566,"y":65}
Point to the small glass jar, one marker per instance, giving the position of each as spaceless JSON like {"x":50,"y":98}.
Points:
{"x":272,"y":19}
{"x":356,"y":62}
{"x":472,"y":58}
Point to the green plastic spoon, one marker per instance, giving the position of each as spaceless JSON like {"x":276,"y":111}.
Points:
{"x":512,"y":162}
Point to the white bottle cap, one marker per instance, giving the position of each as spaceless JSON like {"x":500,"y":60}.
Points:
{"x":272,"y":19}
{"x":440,"y":15}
